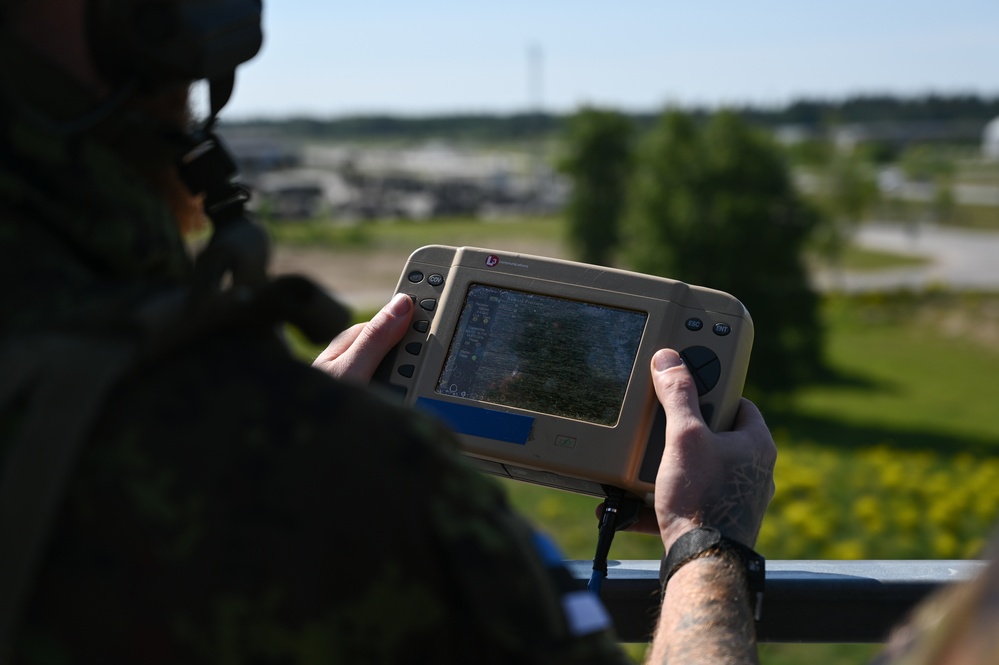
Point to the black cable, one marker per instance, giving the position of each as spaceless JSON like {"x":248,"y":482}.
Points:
{"x":620,"y":512}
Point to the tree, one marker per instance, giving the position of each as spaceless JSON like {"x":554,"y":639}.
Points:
{"x":849,"y":191}
{"x":716,"y":206}
{"x":933,"y":168}
{"x":597,"y":161}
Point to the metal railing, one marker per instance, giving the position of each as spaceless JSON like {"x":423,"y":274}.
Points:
{"x":805,"y":601}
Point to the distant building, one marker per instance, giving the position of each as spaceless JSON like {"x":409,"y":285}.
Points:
{"x":990,"y":141}
{"x":260,"y":154}
{"x":795,"y":134}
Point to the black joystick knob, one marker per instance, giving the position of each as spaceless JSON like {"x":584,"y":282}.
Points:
{"x":704,"y":366}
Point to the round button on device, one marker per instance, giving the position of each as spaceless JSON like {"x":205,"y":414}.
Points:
{"x":415,"y":277}
{"x":694,"y":324}
{"x":704,"y":366}
{"x":435,"y":280}
{"x":722,"y":329}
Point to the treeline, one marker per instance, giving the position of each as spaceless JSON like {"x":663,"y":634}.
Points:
{"x":808,"y":113}
{"x":880,"y":109}
{"x":466,"y":127}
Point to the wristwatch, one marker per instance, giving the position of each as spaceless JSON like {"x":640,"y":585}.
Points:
{"x":705,"y":542}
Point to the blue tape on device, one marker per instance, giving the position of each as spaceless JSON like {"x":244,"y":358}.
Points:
{"x":476,"y":421}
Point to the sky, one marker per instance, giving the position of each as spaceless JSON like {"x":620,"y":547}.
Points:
{"x":331,"y":59}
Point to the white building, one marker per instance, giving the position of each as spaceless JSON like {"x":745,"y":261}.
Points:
{"x":990,"y":141}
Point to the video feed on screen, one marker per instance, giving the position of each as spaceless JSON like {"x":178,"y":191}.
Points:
{"x":545,"y":354}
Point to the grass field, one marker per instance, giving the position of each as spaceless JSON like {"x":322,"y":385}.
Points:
{"x":391,"y":234}
{"x":891,"y":455}
{"x":537,"y":234}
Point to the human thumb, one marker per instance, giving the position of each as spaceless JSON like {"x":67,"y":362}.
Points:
{"x":675,"y":389}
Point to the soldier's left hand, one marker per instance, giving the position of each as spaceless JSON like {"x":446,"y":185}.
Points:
{"x":356,"y":352}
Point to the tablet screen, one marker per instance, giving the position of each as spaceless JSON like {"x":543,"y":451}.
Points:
{"x":541,"y":353}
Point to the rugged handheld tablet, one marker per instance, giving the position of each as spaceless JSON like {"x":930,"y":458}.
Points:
{"x":541,"y":366}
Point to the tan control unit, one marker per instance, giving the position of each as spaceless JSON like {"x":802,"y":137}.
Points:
{"x":541,"y":366}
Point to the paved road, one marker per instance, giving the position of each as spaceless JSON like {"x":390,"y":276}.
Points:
{"x":959,"y":258}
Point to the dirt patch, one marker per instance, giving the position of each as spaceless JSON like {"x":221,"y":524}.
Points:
{"x":978,"y":321}
{"x":366,"y":279}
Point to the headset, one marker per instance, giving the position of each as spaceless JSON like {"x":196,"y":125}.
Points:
{"x":146,"y":43}
{"x":140,"y":45}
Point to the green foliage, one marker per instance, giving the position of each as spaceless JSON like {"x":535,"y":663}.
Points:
{"x":715,"y":205}
{"x":598,"y":161}
{"x":848,"y":192}
{"x":942,"y":209}
{"x":471,"y":127}
{"x":881,"y":108}
{"x":879,"y":503}
{"x":927,"y":164}
{"x":894,"y":456}
{"x":852,"y":188}
{"x":811,"y":152}
{"x":877,"y":152}
{"x":843,"y":185}
{"x":861,"y":259}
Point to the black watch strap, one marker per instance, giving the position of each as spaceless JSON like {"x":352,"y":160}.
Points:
{"x":705,"y":542}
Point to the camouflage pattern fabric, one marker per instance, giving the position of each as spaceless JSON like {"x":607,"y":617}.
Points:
{"x":233,"y":505}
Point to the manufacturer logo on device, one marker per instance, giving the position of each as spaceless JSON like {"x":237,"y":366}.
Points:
{"x":492,"y":261}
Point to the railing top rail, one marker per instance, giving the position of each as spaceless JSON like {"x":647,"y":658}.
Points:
{"x":805,"y":601}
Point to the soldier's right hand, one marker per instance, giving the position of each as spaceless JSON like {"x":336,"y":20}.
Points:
{"x":717,"y":479}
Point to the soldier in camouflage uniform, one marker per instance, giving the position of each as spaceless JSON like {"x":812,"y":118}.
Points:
{"x":231,"y":504}
{"x":227,"y":498}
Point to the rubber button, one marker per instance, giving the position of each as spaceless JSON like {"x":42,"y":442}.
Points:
{"x":429,"y":304}
{"x":694,"y":324}
{"x":421,"y":326}
{"x":415,"y":277}
{"x":704,"y":366}
{"x":414,"y":348}
{"x":722,"y":329}
{"x":435,"y":280}
{"x":695,"y":357}
{"x":710,"y":374}
{"x":407,"y":371}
